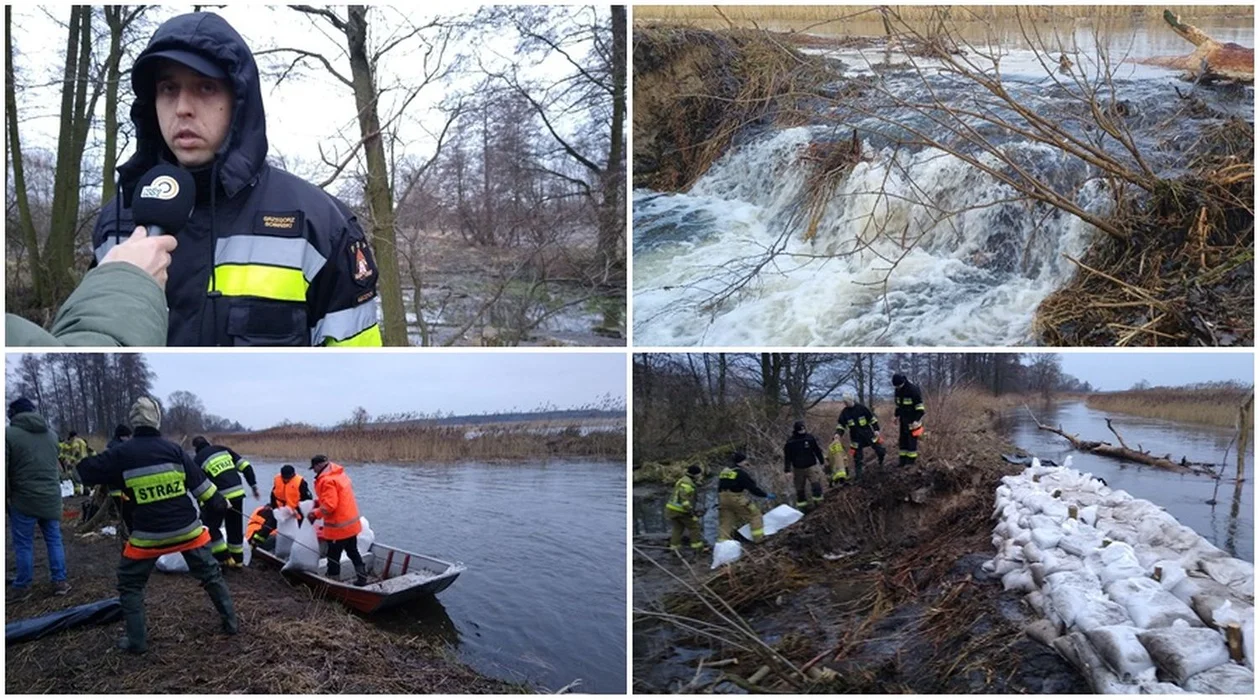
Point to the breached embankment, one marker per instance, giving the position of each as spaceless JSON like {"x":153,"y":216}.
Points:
{"x":1135,"y":600}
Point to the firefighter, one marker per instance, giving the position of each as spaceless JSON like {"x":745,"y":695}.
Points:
{"x":863,"y":428}
{"x":259,"y":532}
{"x":910,"y":411}
{"x":683,"y":513}
{"x":159,"y":477}
{"x":734,"y":505}
{"x":289,"y":489}
{"x":225,"y":467}
{"x":340,"y":512}
{"x":72,"y":451}
{"x":801,"y":454}
{"x":836,"y":469}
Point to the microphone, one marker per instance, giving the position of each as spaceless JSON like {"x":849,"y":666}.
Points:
{"x":164,"y":200}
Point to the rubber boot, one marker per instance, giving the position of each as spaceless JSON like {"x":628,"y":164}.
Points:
{"x":223,"y":603}
{"x":360,"y":578}
{"x":133,"y":641}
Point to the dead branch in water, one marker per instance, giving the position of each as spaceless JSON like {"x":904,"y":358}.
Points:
{"x":1124,"y":452}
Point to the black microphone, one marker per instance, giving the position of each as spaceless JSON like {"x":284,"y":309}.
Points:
{"x":164,"y":200}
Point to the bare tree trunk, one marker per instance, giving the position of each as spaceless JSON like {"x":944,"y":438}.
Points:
{"x":612,"y":212}
{"x":39,"y":276}
{"x":1105,"y":449}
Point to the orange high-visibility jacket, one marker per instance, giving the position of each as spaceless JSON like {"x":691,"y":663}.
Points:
{"x":286,"y":494}
{"x":336,"y":506}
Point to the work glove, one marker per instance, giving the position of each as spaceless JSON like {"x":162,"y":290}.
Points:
{"x":879,"y":439}
{"x":255,"y":490}
{"x":311,"y":516}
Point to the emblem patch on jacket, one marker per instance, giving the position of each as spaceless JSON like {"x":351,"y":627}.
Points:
{"x":362,"y":267}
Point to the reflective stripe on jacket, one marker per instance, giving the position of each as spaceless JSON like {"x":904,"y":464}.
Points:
{"x":684,"y":496}
{"x":337,"y":507}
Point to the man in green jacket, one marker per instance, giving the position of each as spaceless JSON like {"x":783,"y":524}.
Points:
{"x":114,"y":305}
{"x":32,"y":497}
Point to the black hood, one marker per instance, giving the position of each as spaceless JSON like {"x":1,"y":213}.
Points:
{"x":244,"y":152}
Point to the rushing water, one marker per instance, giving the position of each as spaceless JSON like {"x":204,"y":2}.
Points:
{"x":916,"y":245}
{"x":544,"y":598}
{"x":1229,"y":524}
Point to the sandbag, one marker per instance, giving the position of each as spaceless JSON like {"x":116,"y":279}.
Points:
{"x":776,"y":519}
{"x":67,"y":488}
{"x":1120,"y":649}
{"x":304,"y":554}
{"x":172,"y":563}
{"x":1226,"y":679}
{"x":1019,"y":580}
{"x":1042,"y":631}
{"x":1150,"y":605}
{"x":1046,"y":538}
{"x":726,"y":552}
{"x":1089,"y":515}
{"x":1076,"y":649}
{"x":286,"y":530}
{"x":1182,"y":651}
{"x":98,"y":613}
{"x":1170,"y":573}
{"x":366,"y":537}
{"x":1227,"y":571}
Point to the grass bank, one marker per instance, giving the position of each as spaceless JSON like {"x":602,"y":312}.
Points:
{"x":746,"y":14}
{"x":1209,"y":405}
{"x":517,"y":441}
{"x":290,"y":642}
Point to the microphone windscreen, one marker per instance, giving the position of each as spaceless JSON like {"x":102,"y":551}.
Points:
{"x":164,"y":198}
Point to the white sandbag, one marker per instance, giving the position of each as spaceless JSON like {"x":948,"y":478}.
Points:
{"x":1042,"y":631}
{"x":726,"y":552}
{"x":1002,"y":567}
{"x":1235,"y":573}
{"x":1031,"y":553}
{"x":1089,"y":515}
{"x":1182,"y":651}
{"x":1119,"y":648}
{"x":304,"y":554}
{"x":1046,"y":538}
{"x":67,"y":488}
{"x":1076,"y":649}
{"x":778,"y":518}
{"x":1159,"y":688}
{"x":1080,"y":545}
{"x":1100,"y":612}
{"x":1042,"y":522}
{"x":1150,"y":605}
{"x":1170,"y":573}
{"x":1018,"y":580}
{"x":1037,"y":601}
{"x":1021,"y":537}
{"x":1226,"y":679}
{"x":366,"y":537}
{"x":286,"y":530}
{"x":172,"y":563}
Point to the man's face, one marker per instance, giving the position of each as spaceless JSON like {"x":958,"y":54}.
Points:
{"x":194,"y":112}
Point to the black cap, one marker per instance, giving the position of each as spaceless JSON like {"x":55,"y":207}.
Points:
{"x":193,"y":60}
{"x":287,"y":471}
{"x":72,"y":434}
{"x":798,"y":426}
{"x":318,"y":460}
{"x":22,"y":405}
{"x":738,"y":457}
{"x":898,"y":379}
{"x":693,"y":469}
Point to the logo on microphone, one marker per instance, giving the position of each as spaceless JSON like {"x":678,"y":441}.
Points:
{"x":162,"y":187}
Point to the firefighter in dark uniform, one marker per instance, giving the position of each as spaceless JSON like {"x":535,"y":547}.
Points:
{"x":910,"y":411}
{"x":863,"y":428}
{"x":734,"y":505}
{"x":266,"y":258}
{"x":123,"y":504}
{"x":159,"y":478}
{"x":801,"y":454}
{"x":683,"y":513}
{"x":226,"y":467}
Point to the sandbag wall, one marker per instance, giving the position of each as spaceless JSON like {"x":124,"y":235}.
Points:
{"x":1134,"y":599}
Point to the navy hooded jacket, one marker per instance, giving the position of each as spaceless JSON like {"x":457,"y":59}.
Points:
{"x":266,"y":258}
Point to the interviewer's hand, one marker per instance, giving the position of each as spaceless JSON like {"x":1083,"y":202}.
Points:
{"x":153,"y":255}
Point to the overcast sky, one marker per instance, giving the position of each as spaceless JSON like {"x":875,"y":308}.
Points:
{"x":262,"y":389}
{"x":1120,"y":370}
{"x":308,"y":110}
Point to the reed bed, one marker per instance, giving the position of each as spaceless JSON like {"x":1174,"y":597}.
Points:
{"x":1209,"y":405}
{"x":434,"y":443}
{"x":744,"y":14}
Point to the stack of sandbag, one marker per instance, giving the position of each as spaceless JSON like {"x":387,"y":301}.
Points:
{"x":1137,"y":601}
{"x":304,"y":548}
{"x":777,"y":519}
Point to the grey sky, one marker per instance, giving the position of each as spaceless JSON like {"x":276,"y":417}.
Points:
{"x":262,"y":389}
{"x":1113,"y":370}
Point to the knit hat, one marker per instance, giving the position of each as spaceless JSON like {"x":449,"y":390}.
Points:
{"x":22,"y":405}
{"x":145,"y":412}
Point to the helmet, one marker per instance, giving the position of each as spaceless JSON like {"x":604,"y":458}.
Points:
{"x":848,"y":398}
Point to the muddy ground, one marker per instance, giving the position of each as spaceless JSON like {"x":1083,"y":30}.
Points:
{"x":289,"y":642}
{"x":881,"y":585}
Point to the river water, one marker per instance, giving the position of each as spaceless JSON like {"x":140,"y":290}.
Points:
{"x":915,"y":246}
{"x":544,"y":598}
{"x":1229,"y":524}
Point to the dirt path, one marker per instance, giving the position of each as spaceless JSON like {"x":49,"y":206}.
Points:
{"x":289,"y":642}
{"x":882,"y":585}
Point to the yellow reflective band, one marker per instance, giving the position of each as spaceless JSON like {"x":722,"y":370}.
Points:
{"x":218,"y":464}
{"x":697,"y":545}
{"x":142,"y":542}
{"x":152,"y":488}
{"x":920,"y":407}
{"x":861,"y":421}
{"x":727,"y":474}
{"x":367,"y":338}
{"x":218,"y":546}
{"x":676,"y":508}
{"x":912,"y":454}
{"x":263,"y":281}
{"x":758,"y":532}
{"x":233,"y":492}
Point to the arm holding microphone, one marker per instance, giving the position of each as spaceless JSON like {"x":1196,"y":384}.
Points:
{"x":119,"y":303}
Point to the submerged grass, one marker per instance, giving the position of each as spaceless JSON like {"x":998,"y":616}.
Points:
{"x":1212,"y":404}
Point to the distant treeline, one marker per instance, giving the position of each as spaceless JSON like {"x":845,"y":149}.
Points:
{"x":1214,"y":403}
{"x":958,"y":13}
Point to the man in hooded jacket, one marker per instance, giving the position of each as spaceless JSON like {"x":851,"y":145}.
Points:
{"x":32,"y":497}
{"x":265,"y":257}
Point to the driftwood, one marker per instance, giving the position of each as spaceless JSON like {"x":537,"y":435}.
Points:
{"x":1211,"y":59}
{"x":1124,"y":452}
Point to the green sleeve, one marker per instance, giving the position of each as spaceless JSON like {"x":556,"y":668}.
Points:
{"x":116,"y":304}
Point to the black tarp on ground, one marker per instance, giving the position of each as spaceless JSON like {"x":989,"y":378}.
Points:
{"x":98,"y":613}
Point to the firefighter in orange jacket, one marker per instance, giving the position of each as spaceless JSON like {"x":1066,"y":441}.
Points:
{"x":335,"y":505}
{"x":289,"y":489}
{"x":262,"y":523}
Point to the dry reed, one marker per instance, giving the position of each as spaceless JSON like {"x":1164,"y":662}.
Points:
{"x":1215,"y":404}
{"x":747,"y":14}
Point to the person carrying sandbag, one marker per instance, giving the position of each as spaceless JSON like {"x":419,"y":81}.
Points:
{"x":682,"y":513}
{"x":335,"y":505}
{"x":734,"y":505}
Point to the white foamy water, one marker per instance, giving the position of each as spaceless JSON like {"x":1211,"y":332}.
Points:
{"x":971,"y":261}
